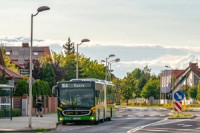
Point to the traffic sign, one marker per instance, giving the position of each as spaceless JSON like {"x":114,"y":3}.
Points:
{"x":178,"y":95}
{"x":178,"y":106}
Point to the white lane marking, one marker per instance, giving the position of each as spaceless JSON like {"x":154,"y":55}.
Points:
{"x":162,"y":115}
{"x":140,"y":127}
{"x":184,"y":125}
{"x":153,"y":124}
{"x":157,"y":130}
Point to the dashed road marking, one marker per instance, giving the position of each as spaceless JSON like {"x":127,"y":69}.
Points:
{"x":118,"y":116}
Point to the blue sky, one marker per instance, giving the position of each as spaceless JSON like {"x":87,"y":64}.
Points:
{"x":139,"y":32}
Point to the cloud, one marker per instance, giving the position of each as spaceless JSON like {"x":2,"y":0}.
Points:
{"x":17,"y":41}
{"x":174,"y":61}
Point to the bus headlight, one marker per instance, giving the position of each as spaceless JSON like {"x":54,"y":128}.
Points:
{"x":92,"y":118}
{"x":60,"y":118}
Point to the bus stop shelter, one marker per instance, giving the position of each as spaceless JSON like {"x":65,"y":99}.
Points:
{"x":6,"y":100}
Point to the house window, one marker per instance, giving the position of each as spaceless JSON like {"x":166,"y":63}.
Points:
{"x":35,"y":53}
{"x":7,"y":53}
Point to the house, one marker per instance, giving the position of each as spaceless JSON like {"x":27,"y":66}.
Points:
{"x":179,"y":79}
{"x":21,"y":56}
{"x":188,"y":77}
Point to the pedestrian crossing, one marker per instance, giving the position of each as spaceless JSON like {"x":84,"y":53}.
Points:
{"x":148,"y":110}
{"x":131,"y":116}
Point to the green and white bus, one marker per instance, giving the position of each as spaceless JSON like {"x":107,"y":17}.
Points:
{"x":85,"y":100}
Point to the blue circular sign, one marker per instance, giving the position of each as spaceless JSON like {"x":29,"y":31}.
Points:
{"x":178,"y":95}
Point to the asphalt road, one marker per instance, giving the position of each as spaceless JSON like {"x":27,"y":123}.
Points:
{"x":181,"y":126}
{"x":126,"y":120}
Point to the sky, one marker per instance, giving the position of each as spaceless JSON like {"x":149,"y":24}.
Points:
{"x":139,"y":32}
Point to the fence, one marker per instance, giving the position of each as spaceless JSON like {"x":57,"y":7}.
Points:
{"x":49,"y":104}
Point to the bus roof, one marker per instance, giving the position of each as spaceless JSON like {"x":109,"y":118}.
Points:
{"x":93,"y":79}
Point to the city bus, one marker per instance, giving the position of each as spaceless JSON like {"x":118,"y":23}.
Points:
{"x":90,"y":100}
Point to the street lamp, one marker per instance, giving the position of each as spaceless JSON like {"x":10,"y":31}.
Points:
{"x":109,"y":63}
{"x":111,"y":55}
{"x":40,"y":9}
{"x":103,"y":61}
{"x":84,"y":40}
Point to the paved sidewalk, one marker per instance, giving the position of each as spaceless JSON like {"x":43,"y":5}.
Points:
{"x":20,"y":124}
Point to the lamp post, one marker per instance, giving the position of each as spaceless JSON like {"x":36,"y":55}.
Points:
{"x":40,"y":9}
{"x":109,"y":63}
{"x":84,"y":40}
{"x":111,"y":55}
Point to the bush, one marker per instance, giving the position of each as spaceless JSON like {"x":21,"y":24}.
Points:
{"x":21,"y":88}
{"x":16,"y":112}
{"x":2,"y":113}
{"x":6,"y":112}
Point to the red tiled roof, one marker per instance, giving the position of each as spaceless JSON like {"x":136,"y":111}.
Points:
{"x":177,"y":73}
{"x":9,"y":74}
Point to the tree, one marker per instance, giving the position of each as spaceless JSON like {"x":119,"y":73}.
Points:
{"x":8,"y":63}
{"x":151,"y":88}
{"x":198,"y":92}
{"x":3,"y":78}
{"x":90,"y":69}
{"x":128,"y":86}
{"x":21,"y":88}
{"x":193,"y":92}
{"x":37,"y":71}
{"x":59,"y":58}
{"x":42,"y":88}
{"x":45,"y":60}
{"x":59,"y":71}
{"x":70,"y":67}
{"x":49,"y":75}
{"x":69,"y":47}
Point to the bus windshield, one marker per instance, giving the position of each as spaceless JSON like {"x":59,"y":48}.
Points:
{"x":76,"y":97}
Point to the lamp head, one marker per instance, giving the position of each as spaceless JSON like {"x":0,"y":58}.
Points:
{"x":103,"y":61}
{"x":43,"y":8}
{"x":111,"y":55}
{"x":117,"y":60}
{"x":85,"y":40}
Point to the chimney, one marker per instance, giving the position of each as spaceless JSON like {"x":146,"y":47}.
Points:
{"x":193,"y":65}
{"x":25,"y":44}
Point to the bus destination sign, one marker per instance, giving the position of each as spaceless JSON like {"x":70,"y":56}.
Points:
{"x":75,"y":85}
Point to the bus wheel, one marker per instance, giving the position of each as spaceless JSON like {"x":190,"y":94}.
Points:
{"x":64,"y":123}
{"x":109,"y":118}
{"x":95,"y":122}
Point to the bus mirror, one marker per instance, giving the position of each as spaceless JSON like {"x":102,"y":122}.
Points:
{"x":54,"y":90}
{"x":97,"y":93}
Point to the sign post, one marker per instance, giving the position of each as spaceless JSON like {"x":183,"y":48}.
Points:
{"x":178,"y":96}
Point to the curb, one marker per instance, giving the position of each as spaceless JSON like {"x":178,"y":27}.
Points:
{"x":25,"y":130}
{"x":192,"y":117}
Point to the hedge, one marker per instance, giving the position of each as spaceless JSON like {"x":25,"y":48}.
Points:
{"x":6,"y":112}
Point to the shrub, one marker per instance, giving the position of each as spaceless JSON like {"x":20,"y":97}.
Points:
{"x":6,"y":112}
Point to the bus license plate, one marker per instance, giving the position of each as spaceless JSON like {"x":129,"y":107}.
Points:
{"x":76,"y":118}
